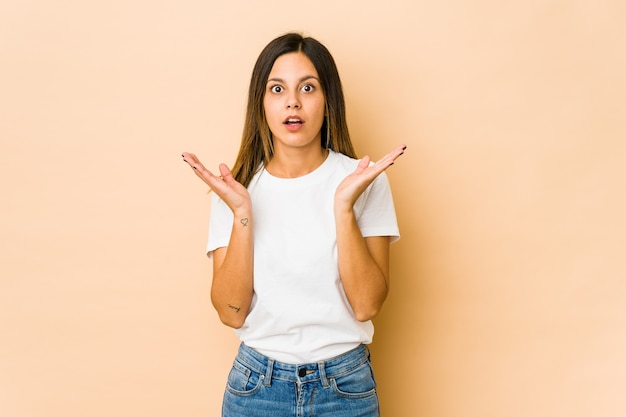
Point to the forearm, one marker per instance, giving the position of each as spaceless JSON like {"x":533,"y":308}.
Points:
{"x":232,"y":288}
{"x":364,"y":275}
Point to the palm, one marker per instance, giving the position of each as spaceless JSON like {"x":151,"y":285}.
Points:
{"x":354,"y":184}
{"x":233,"y":193}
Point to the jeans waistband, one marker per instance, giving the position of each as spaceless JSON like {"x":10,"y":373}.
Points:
{"x":301,"y":373}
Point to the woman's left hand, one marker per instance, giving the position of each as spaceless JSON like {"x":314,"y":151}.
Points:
{"x":354,"y":184}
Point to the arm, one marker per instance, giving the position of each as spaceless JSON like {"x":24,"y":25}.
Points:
{"x":363,"y":262}
{"x":232,"y":287}
{"x":363,"y":266}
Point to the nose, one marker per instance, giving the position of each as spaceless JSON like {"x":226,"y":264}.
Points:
{"x":292,"y":101}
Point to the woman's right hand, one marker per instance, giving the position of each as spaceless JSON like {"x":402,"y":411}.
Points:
{"x":233,"y":265}
{"x":233,"y":193}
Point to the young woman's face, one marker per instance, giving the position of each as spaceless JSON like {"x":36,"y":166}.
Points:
{"x":294,"y":102}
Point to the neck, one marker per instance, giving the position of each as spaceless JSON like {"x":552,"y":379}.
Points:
{"x":294,"y":163}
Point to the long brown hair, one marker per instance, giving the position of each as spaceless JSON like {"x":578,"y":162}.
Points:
{"x":256,"y":142}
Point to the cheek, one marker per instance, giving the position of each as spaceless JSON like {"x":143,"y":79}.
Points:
{"x":321,"y":109}
{"x":322,"y":105}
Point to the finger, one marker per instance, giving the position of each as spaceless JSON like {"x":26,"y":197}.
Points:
{"x":198,"y":167}
{"x":200,"y":170}
{"x":227,"y":175}
{"x":195,"y":163}
{"x":192,"y":160}
{"x":363,"y":164}
{"x":189,"y":157}
{"x":207,"y":176}
{"x":389,"y":159}
{"x":385,"y":162}
{"x":398,"y":151}
{"x":395,"y":153}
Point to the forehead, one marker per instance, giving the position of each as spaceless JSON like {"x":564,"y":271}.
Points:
{"x":293,"y":65}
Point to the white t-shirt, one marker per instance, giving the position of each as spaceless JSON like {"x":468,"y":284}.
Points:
{"x":299,"y":312}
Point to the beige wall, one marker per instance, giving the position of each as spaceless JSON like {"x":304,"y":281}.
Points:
{"x":509,"y":283}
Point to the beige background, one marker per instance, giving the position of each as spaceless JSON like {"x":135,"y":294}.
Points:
{"x":509,"y":283}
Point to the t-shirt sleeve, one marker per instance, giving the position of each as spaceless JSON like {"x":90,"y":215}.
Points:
{"x":220,"y":225}
{"x":376,"y":214}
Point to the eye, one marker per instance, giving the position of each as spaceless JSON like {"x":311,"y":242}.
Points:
{"x":307,"y":88}
{"x":276,"y":89}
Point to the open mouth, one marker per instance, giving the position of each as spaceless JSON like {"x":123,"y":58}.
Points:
{"x":293,"y":121}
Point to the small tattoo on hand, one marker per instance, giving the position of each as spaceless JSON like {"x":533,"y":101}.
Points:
{"x":244,"y":221}
{"x":234,"y":308}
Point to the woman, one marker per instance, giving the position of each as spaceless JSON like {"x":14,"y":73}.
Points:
{"x":299,"y":236}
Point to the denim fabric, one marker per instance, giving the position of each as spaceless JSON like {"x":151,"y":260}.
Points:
{"x":343,"y":386}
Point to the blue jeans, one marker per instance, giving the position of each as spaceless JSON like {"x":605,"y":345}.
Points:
{"x":343,"y":386}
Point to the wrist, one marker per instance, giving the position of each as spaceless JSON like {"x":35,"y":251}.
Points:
{"x":343,"y":209}
{"x":244,"y":210}
{"x":242,"y":215}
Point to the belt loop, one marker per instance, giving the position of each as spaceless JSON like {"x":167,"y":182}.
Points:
{"x":322,"y":368}
{"x":268,"y":372}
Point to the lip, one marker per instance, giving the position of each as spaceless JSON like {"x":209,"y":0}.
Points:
{"x":293,"y":117}
{"x":292,"y":127}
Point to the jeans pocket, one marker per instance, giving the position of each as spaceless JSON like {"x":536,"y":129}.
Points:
{"x":358,"y":383}
{"x":243,"y":381}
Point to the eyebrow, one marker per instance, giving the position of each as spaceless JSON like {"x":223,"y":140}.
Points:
{"x":306,"y":77}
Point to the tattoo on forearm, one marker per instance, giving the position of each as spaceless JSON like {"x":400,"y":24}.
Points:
{"x":244,"y":221}
{"x":234,"y":308}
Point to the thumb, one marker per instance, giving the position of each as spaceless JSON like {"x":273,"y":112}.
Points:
{"x":225,"y":172}
{"x":363,"y":163}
